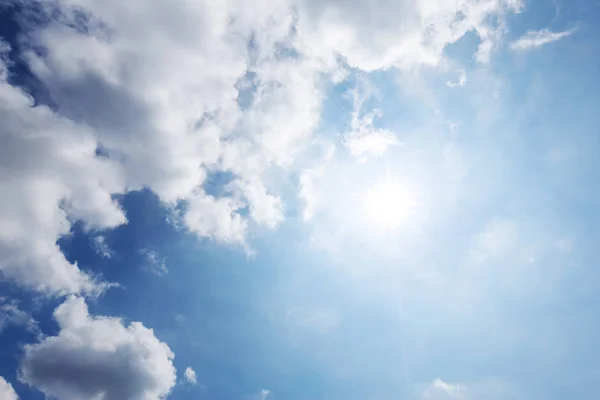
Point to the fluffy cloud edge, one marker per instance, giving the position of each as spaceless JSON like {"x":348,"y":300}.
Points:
{"x":95,"y":356}
{"x":6,"y":390}
{"x":190,"y":376}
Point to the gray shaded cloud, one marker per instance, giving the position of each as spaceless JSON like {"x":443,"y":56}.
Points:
{"x":11,"y":314}
{"x":98,"y":358}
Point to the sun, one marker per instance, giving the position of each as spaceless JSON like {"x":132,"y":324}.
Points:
{"x":389,"y":204}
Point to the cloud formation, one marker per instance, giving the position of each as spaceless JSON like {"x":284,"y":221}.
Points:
{"x":533,"y":39}
{"x":49,"y":175}
{"x":6,"y":390}
{"x":98,"y":358}
{"x":364,"y":140}
{"x":460,"y":81}
{"x":164,"y":94}
{"x":101,"y":247}
{"x":154,"y":262}
{"x":190,"y":376}
{"x":11,"y":314}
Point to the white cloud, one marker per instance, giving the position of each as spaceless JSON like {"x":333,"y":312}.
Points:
{"x":533,"y":39}
{"x":365,"y":140}
{"x":98,"y":358}
{"x":154,"y":263}
{"x":400,"y":34}
{"x":155,"y":85}
{"x":216,"y":218}
{"x":101,"y":247}
{"x":264,"y":393}
{"x":461,"y":81}
{"x":6,"y":390}
{"x":11,"y":314}
{"x":265,"y":209}
{"x":368,"y":142}
{"x":190,"y":376}
{"x":440,"y":390}
{"x":49,"y":174}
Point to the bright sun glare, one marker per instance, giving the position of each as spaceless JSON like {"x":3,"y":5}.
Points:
{"x":389,"y":204}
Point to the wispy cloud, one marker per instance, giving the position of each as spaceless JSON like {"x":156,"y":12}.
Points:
{"x":533,"y":39}
{"x":365,"y":140}
{"x":101,"y":247}
{"x":460,"y":81}
{"x":11,"y":314}
{"x":154,"y":262}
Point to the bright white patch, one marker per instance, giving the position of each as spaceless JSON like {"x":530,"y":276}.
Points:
{"x":190,"y":376}
{"x":6,"y":390}
{"x":389,"y":204}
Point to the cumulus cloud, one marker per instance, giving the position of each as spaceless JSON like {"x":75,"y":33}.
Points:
{"x":533,"y":39}
{"x":216,"y":218}
{"x":190,"y":376}
{"x":98,"y":358}
{"x":49,"y":175}
{"x":156,"y":94}
{"x":265,"y":208}
{"x":6,"y":390}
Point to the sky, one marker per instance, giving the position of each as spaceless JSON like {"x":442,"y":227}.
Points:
{"x":299,"y":199}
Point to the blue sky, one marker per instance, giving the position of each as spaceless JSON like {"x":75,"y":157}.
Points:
{"x":299,"y":200}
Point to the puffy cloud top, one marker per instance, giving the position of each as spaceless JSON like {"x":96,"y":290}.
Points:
{"x":6,"y":390}
{"x":161,"y":94}
{"x":98,"y":358}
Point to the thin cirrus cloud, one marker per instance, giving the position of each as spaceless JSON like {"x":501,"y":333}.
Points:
{"x":534,"y":39}
{"x":113,"y":86}
{"x":12,"y":315}
{"x":154,"y":262}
